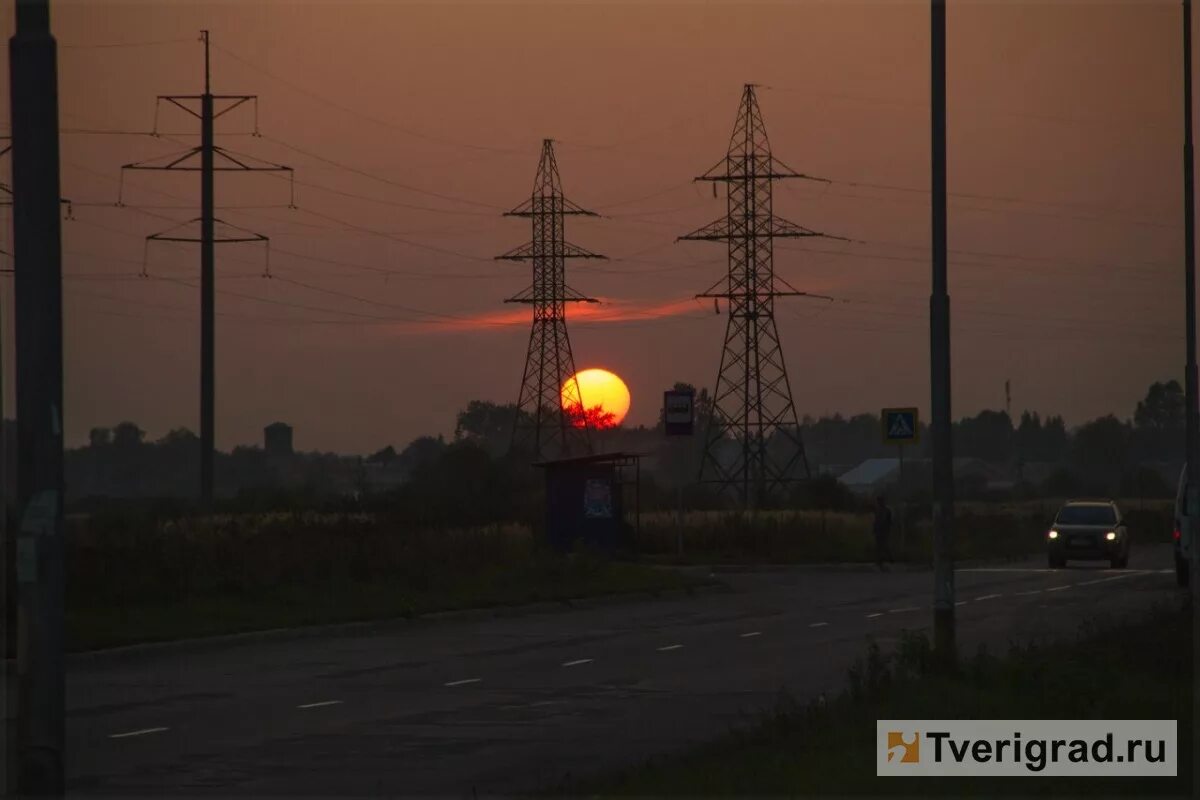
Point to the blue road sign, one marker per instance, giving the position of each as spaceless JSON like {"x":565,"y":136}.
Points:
{"x":900,"y":425}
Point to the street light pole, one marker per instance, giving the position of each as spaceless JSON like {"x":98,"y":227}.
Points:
{"x":37,"y":261}
{"x":1192,"y":414}
{"x":939,"y":356}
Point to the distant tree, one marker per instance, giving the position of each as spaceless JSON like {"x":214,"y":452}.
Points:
{"x":704,"y":409}
{"x":385,"y":456}
{"x":127,"y":435}
{"x":1100,"y":450}
{"x":1160,"y":421}
{"x":1163,"y":408}
{"x":988,"y":436}
{"x":1055,"y":439}
{"x":421,"y":451}
{"x":100,"y":437}
{"x":461,"y":485}
{"x":595,"y":417}
{"x":178,"y":436}
{"x":1034,"y":440}
{"x":487,"y":424}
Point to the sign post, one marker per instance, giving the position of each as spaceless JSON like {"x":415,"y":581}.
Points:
{"x":679,"y":419}
{"x":900,"y":426}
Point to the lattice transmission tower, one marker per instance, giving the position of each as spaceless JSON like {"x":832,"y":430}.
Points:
{"x":549,"y":421}
{"x":752,"y":402}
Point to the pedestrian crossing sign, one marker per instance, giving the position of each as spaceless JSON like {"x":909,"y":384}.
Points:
{"x":900,"y":426}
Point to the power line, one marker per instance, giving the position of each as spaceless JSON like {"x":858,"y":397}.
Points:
{"x":399,"y":239}
{"x":110,"y":45}
{"x":380,"y":179}
{"x":368,"y":117}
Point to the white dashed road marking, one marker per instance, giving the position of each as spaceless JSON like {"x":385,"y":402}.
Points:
{"x":751,"y":633}
{"x":903,"y":610}
{"x":1004,"y":569}
{"x":669,"y":647}
{"x":988,"y":597}
{"x":1059,"y":588}
{"x":818,"y":625}
{"x":876,"y":614}
{"x":142,"y":732}
{"x":577,"y":662}
{"x":321,"y":704}
{"x":463,"y":682}
{"x":962,"y":602}
{"x":1026,"y":594}
{"x":1104,"y":580}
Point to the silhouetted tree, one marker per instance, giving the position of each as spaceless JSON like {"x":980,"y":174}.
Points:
{"x":1100,"y":450}
{"x":127,"y":435}
{"x":988,"y":436}
{"x":595,"y":417}
{"x":1163,"y":408}
{"x":487,"y":424}
{"x":1160,"y":423}
{"x":421,"y":451}
{"x":385,"y":456}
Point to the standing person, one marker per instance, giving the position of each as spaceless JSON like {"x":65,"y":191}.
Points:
{"x":883,"y":531}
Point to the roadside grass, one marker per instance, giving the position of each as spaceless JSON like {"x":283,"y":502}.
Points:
{"x":95,"y":626}
{"x":1131,"y":670}
{"x":207,"y":576}
{"x":982,"y":531}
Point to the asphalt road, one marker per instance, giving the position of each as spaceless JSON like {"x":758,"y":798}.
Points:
{"x":493,"y":706}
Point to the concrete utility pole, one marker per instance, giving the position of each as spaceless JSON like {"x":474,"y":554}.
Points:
{"x":1192,"y":415}
{"x":208,"y":344}
{"x":209,"y":153}
{"x":37,"y":258}
{"x":939,"y":357}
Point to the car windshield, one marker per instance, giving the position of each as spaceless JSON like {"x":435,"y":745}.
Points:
{"x":1086,"y":515}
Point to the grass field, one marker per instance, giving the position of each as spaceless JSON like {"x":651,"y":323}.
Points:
{"x":982,"y":531}
{"x":134,"y":579}
{"x":214,"y":575}
{"x":1138,"y":670}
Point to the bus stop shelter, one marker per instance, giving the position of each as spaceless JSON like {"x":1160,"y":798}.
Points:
{"x":587,"y":500}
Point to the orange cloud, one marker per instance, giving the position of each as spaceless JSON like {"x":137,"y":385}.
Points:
{"x":607,"y":310}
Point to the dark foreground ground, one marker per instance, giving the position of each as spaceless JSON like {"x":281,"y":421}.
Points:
{"x":513,"y":704}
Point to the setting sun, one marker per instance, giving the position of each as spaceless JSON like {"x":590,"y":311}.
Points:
{"x":605,"y":397}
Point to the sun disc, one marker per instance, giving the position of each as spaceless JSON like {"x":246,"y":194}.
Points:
{"x":598,"y":388}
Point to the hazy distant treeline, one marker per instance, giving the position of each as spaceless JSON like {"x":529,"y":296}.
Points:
{"x":470,"y":479}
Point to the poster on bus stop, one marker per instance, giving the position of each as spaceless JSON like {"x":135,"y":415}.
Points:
{"x":597,"y":499}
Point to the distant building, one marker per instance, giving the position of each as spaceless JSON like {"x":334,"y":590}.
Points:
{"x":872,"y":475}
{"x":880,"y":474}
{"x":277,"y":439}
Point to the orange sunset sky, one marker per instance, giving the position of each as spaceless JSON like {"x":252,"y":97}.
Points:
{"x":412,"y":126}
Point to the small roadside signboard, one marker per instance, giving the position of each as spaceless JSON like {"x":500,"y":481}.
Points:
{"x":900,"y":426}
{"x":679,"y":413}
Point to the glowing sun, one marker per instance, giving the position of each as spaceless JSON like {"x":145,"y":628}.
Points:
{"x":605,"y":398}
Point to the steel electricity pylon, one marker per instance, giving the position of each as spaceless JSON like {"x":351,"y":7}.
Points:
{"x":752,"y":403}
{"x":207,"y":153}
{"x":549,"y":420}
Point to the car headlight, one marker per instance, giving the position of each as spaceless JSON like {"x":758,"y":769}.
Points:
{"x":1052,"y":535}
{"x":1111,"y":535}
